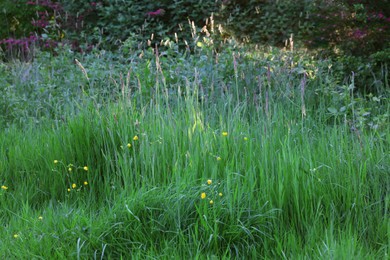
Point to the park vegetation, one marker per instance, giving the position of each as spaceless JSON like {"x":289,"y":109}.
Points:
{"x":194,"y":129}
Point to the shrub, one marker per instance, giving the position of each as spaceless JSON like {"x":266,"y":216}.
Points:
{"x":16,"y":17}
{"x":356,"y":34}
{"x":264,"y":21}
{"x":352,"y":27}
{"x":113,"y":22}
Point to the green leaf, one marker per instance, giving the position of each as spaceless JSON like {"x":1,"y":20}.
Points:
{"x":332,"y":110}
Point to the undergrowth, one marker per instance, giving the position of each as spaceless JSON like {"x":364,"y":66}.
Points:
{"x":261,"y":154}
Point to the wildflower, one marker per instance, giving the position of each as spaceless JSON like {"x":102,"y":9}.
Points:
{"x":203,"y":195}
{"x":128,"y":145}
{"x":40,"y":217}
{"x":74,"y":185}
{"x":135,"y":138}
{"x":219,"y":158}
{"x":85,"y":168}
{"x":156,"y":13}
{"x":68,"y":190}
{"x":69,"y":169}
{"x":55,"y":161}
{"x":16,"y":235}
{"x":245,"y":138}
{"x":85,"y":183}
{"x":224,"y":133}
{"x":220,"y":194}
{"x":209,"y":182}
{"x":4,"y":187}
{"x":211,"y":202}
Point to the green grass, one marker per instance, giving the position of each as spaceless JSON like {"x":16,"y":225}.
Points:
{"x":292,"y":186}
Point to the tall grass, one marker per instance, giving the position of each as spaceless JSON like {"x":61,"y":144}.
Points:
{"x":189,"y":158}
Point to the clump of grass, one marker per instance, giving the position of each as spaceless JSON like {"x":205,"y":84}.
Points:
{"x":219,"y":161}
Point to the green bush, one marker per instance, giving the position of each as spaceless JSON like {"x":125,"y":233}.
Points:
{"x":16,"y":18}
{"x":264,"y":21}
{"x":113,"y":22}
{"x":357,"y":28}
{"x":356,"y":35}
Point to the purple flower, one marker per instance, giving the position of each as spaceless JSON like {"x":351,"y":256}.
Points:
{"x":156,"y":13}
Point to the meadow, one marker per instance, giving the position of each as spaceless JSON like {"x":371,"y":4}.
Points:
{"x":235,"y":153}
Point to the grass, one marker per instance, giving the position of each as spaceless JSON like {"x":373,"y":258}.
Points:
{"x":279,"y":183}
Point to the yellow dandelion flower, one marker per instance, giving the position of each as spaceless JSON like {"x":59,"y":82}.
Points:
{"x":203,"y":195}
{"x":135,"y":138}
{"x":128,"y":145}
{"x":211,"y":202}
{"x":219,"y":158}
{"x":220,"y":194}
{"x":4,"y":187}
{"x":16,"y":235}
{"x":74,"y":185}
{"x":68,"y":190}
{"x":55,"y":161}
{"x":85,"y":183}
{"x":209,"y":182}
{"x":40,"y":217}
{"x":85,"y":168}
{"x":224,"y":133}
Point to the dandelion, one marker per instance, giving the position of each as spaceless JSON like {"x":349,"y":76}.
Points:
{"x":211,"y":202}
{"x":220,"y":194}
{"x":4,"y":187}
{"x":74,"y":185}
{"x":135,"y":138}
{"x":128,"y":145}
{"x":68,"y":190}
{"x":40,"y":217}
{"x":55,"y":161}
{"x":219,"y":158}
{"x":85,"y":183}
{"x":203,"y":195}
{"x":16,"y":235}
{"x":209,"y":182}
{"x":224,"y":133}
{"x":85,"y":168}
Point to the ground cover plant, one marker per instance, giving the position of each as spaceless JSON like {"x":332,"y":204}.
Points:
{"x":200,"y":153}
{"x":197,"y":147}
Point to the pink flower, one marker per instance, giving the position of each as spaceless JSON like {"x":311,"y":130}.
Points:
{"x":358,"y":34}
{"x":155,"y":13}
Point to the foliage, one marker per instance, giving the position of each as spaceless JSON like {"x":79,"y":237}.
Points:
{"x":356,"y":35}
{"x":116,"y":21}
{"x":357,"y":28}
{"x":265,"y":21}
{"x":16,"y":17}
{"x":213,"y":152}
